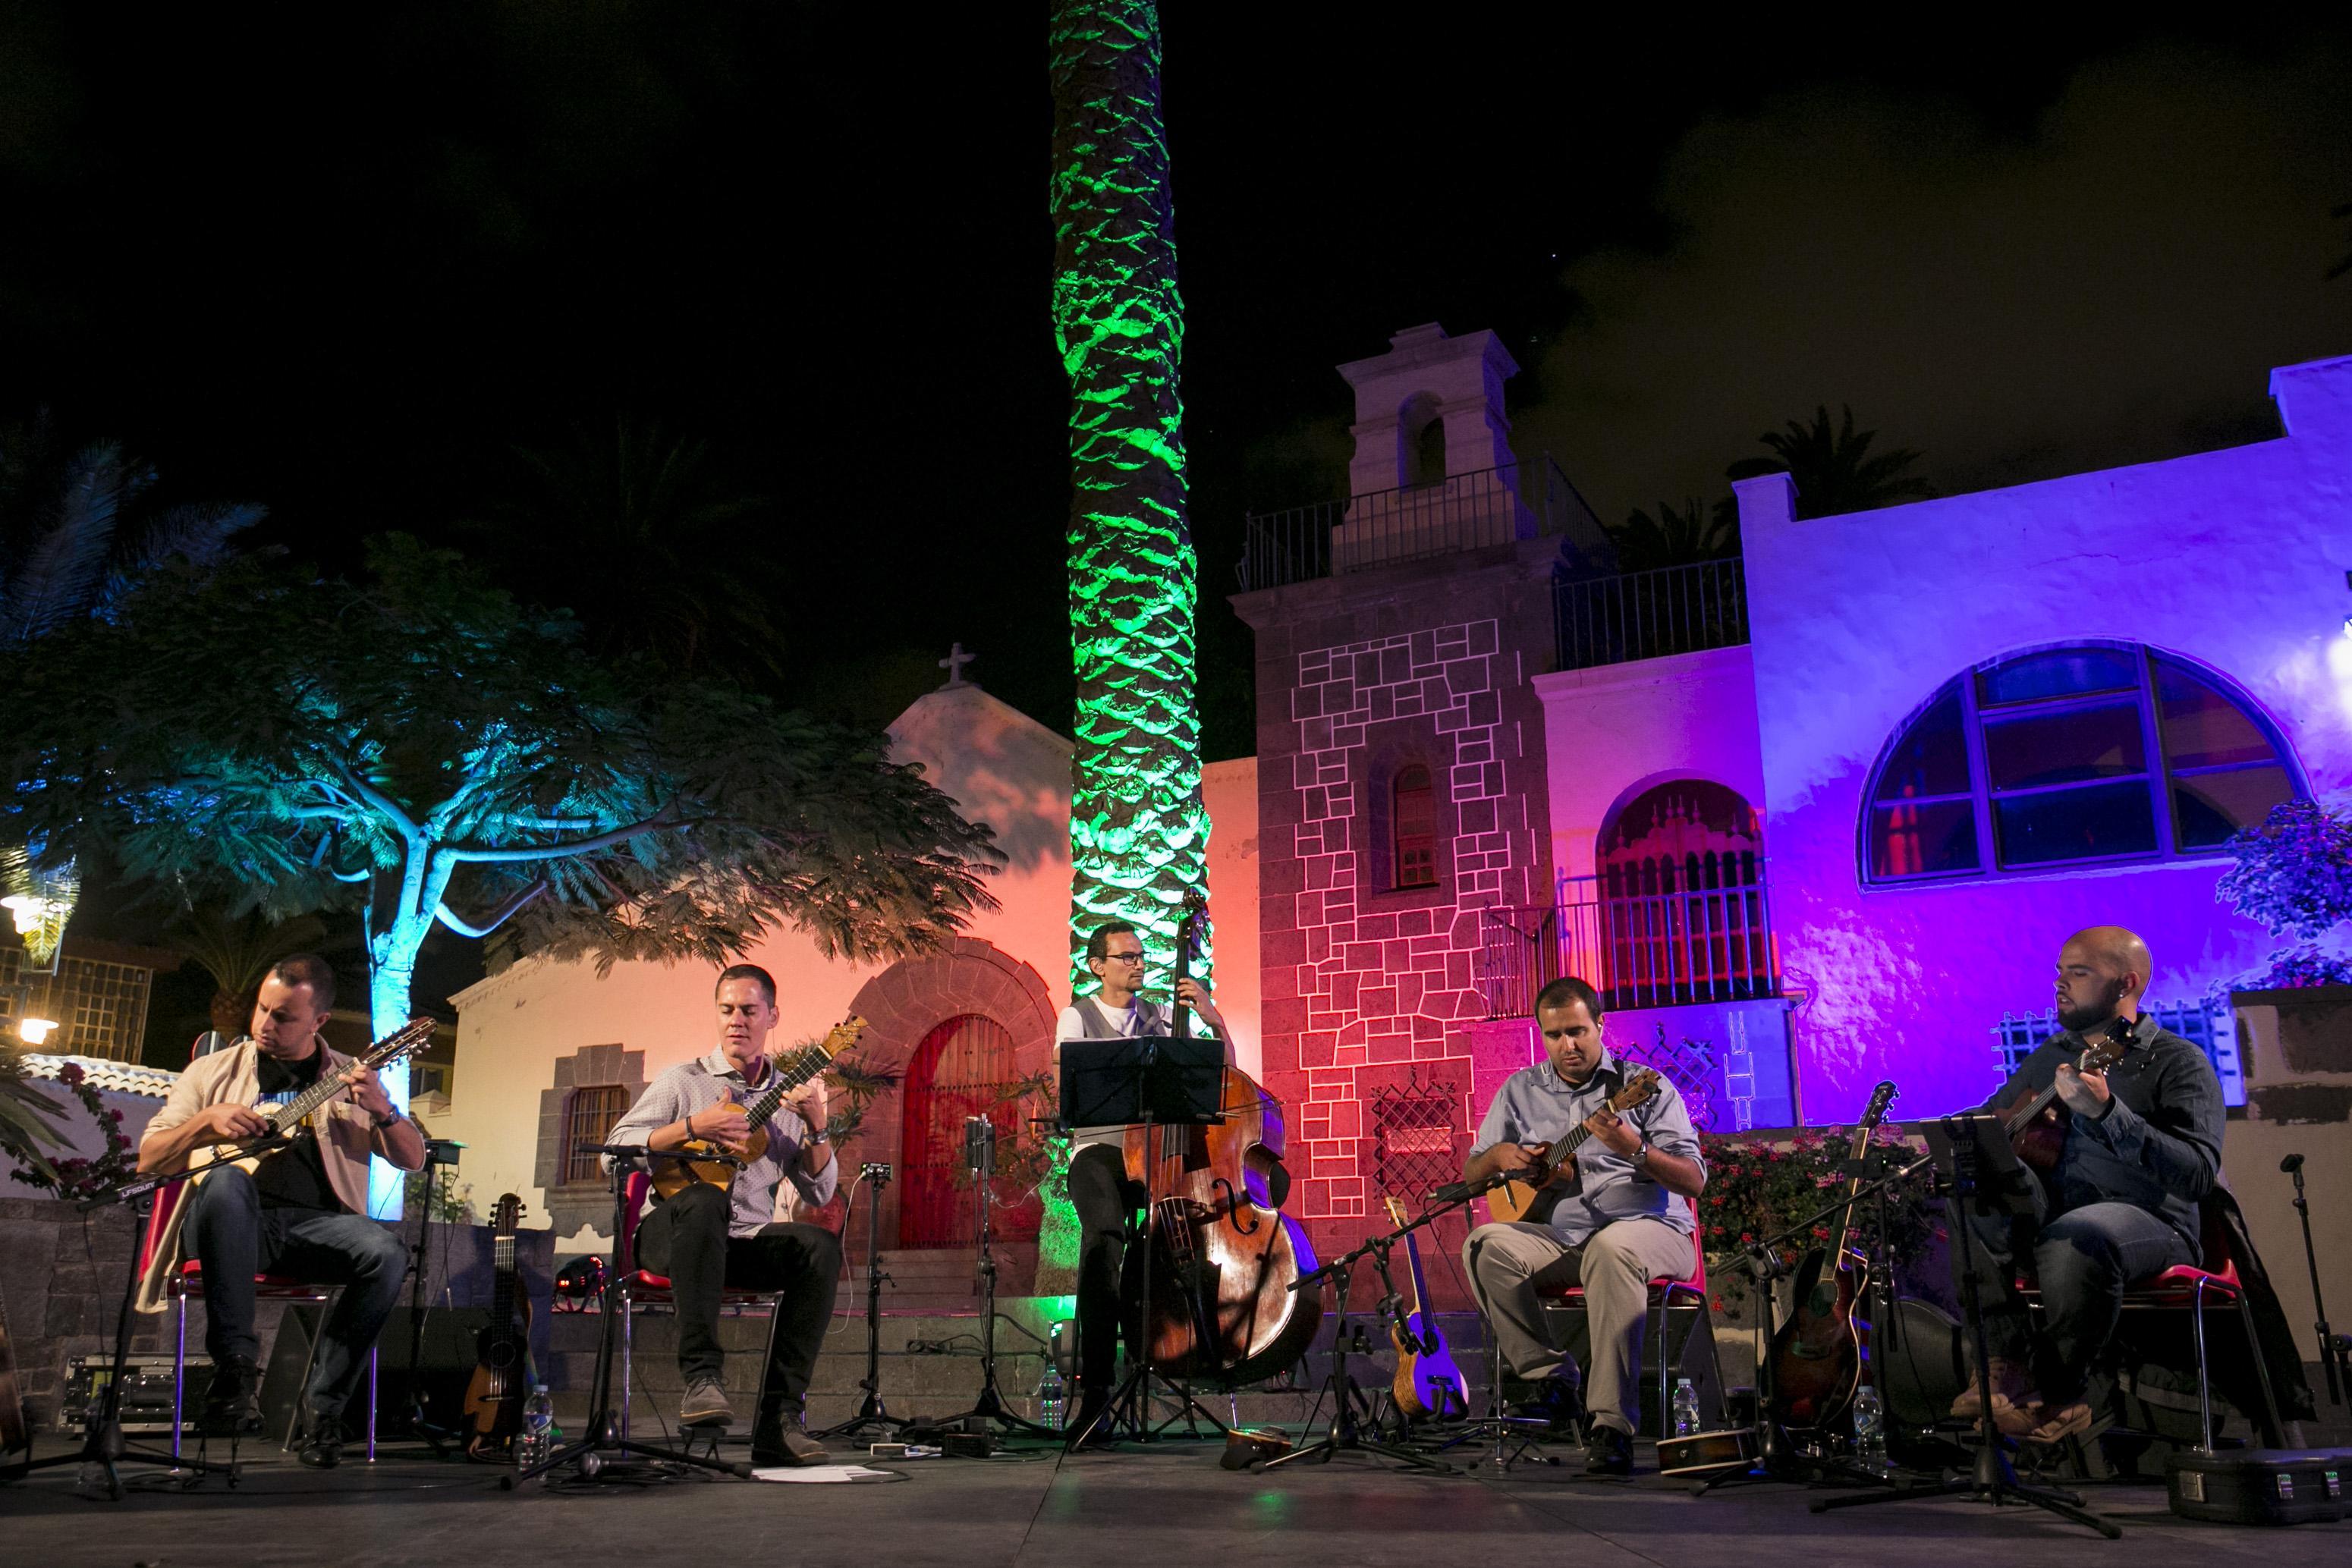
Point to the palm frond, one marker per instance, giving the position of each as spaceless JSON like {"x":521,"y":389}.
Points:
{"x":65,"y":567}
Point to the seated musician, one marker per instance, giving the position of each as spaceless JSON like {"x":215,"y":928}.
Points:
{"x":1099,"y":1189}
{"x":301,"y":1212}
{"x":1619,"y":1222}
{"x":710,"y":1237}
{"x":2143,"y":1148}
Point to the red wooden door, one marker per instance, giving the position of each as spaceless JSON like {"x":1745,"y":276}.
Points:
{"x":959,"y":1071}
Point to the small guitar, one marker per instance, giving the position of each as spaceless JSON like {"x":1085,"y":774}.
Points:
{"x":1818,"y":1355}
{"x":1509,"y":1202}
{"x":502,"y":1373}
{"x":284,"y":1120}
{"x":1427,"y":1382}
{"x":2037,"y":1122}
{"x":786,"y":1073}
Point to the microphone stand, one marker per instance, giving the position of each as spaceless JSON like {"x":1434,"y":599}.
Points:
{"x":593,"y":1455}
{"x":872,"y":1415}
{"x":2331,"y":1349}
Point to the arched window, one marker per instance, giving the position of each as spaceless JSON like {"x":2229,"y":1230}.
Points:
{"x":1413,"y":816}
{"x":2097,"y":753}
{"x":1429,"y":453}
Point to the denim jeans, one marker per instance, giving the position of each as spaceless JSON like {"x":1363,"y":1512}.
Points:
{"x":686,"y":1239}
{"x":234,"y":1239}
{"x":2084,"y":1259}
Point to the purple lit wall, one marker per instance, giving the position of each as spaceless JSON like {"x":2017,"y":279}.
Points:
{"x":2234,"y":560}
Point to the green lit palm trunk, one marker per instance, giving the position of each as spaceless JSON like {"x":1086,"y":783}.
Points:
{"x":1139,"y":836}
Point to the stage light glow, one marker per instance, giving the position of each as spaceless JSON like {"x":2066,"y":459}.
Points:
{"x":36,"y":1032}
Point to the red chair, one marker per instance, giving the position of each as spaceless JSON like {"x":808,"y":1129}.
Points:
{"x":2185,"y":1288}
{"x":189,"y":1281}
{"x":639,"y":1287}
{"x":1663,"y":1294}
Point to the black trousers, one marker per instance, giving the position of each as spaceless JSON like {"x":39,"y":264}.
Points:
{"x":685,"y":1238}
{"x":1105,"y":1201}
{"x":235,"y":1238}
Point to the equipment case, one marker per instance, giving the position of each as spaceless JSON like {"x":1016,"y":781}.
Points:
{"x":2259,"y":1486}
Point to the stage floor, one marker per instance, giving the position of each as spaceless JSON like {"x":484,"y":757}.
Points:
{"x":1167,"y":1502}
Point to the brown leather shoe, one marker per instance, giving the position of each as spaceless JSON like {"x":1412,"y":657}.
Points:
{"x":790,"y":1446}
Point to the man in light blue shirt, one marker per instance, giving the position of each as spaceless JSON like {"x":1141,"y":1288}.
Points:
{"x":1620,"y":1213}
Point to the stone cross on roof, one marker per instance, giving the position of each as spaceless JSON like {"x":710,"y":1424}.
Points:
{"x":953,"y":664}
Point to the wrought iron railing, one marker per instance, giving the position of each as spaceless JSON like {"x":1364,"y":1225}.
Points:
{"x":1415,"y":522}
{"x":1648,"y":614}
{"x":1639,"y":950}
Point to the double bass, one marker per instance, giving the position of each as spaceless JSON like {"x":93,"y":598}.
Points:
{"x":1223,"y":1257}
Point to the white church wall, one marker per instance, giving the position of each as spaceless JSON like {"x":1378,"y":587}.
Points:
{"x":2235,"y":559}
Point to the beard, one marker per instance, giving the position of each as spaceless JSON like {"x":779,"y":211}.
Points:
{"x":2082,"y":1020}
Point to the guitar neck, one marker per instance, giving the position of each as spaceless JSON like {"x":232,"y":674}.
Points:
{"x":789,"y":1073}
{"x":1854,"y":1189}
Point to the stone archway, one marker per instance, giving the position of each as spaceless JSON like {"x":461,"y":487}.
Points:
{"x":903,"y":1004}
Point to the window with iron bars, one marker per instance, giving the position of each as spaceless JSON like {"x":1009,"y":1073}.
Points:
{"x":2210,"y":1029}
{"x":1416,"y":1138}
{"x":588,"y":1118}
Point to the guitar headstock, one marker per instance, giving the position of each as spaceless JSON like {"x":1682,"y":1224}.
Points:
{"x":2100,"y":1055}
{"x":506,"y":1215}
{"x":1639,"y":1089}
{"x":1397,"y":1216}
{"x":404,"y":1042}
{"x":1880,"y":1099}
{"x":841,"y":1035}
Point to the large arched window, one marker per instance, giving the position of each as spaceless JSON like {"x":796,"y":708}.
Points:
{"x":1413,"y":816}
{"x":2085,"y":755}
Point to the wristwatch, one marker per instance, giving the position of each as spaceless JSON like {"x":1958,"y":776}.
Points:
{"x":383,"y":1122}
{"x":1641,"y":1160}
{"x":818,"y":1135}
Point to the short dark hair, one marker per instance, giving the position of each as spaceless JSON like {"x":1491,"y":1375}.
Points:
{"x":748,"y":972}
{"x":308,"y":969}
{"x":1566,"y":990}
{"x":1098,"y":944}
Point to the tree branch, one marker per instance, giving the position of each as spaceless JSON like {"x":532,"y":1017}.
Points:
{"x":377,"y":800}
{"x":662,"y":818}
{"x":496,"y":918}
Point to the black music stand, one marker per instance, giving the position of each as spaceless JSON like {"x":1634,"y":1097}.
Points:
{"x":1344,"y":1434}
{"x":1982,"y":1172}
{"x":594,"y":1454}
{"x":1153,"y":1081}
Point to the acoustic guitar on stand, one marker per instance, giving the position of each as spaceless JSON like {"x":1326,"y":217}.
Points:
{"x":1427,"y":1382}
{"x":502,"y":1374}
{"x":786,"y":1073}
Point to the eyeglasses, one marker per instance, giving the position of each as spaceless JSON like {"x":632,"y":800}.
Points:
{"x":1134,"y":957}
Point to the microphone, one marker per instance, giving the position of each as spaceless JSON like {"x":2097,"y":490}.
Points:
{"x":2291,"y":1164}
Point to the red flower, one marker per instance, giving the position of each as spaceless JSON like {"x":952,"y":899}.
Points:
{"x":114,"y":1115}
{"x":1747,"y":1235}
{"x":70,"y":1073}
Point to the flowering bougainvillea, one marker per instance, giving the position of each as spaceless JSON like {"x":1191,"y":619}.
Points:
{"x":77,"y":1177}
{"x":2294,"y":874}
{"x":1757,"y":1188}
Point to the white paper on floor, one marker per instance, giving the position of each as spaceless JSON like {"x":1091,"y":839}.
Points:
{"x":826,"y":1473}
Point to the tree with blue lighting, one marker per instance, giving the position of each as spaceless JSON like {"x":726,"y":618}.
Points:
{"x":421,"y":746}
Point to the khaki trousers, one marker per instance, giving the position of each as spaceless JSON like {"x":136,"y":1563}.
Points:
{"x":1508,"y":1264}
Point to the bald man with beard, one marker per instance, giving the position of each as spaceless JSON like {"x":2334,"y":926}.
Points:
{"x":2144,"y":1149}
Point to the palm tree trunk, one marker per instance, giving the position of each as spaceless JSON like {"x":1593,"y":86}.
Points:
{"x":1138,"y":835}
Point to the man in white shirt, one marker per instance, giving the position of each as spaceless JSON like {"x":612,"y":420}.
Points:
{"x":1099,"y":1189}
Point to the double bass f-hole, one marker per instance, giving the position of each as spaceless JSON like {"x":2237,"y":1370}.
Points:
{"x":1230,"y":1203}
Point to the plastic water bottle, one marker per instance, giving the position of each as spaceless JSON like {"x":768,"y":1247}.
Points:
{"x":532,"y":1444}
{"x":1685,"y":1408}
{"x":1869,"y":1428}
{"x":1050,"y":1398}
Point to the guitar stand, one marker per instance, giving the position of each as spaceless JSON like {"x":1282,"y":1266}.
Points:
{"x":1993,"y":1480}
{"x":872,"y":1415}
{"x":1345,"y":1433}
{"x":602,"y":1454}
{"x":104,"y":1449}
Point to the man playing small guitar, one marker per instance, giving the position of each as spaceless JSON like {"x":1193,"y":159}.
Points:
{"x":2142,"y":1146}
{"x":301,"y":1210}
{"x":1619,"y":1220}
{"x":708,"y":1237}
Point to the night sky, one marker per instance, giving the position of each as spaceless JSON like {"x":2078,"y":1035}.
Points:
{"x":345,"y":266}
